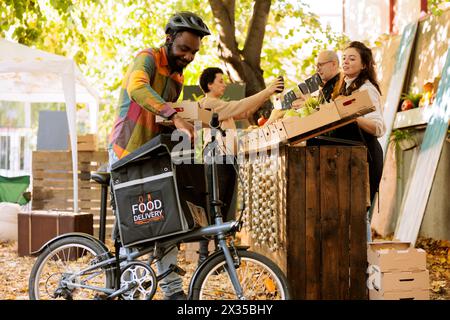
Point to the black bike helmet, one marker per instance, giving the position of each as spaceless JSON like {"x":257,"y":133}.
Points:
{"x":187,"y":21}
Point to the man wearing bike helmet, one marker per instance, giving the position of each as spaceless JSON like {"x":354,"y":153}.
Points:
{"x":153,"y":81}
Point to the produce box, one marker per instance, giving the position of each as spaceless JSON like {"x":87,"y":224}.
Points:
{"x":394,"y":256}
{"x":189,"y":110}
{"x":399,"y":295}
{"x":399,"y":281}
{"x":355,"y":105}
{"x":295,"y":126}
{"x":329,"y":115}
{"x":35,"y":228}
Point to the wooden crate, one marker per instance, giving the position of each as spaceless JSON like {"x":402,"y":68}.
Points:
{"x":53,"y":183}
{"x":317,"y":231}
{"x":85,"y":142}
{"x":37,"y":227}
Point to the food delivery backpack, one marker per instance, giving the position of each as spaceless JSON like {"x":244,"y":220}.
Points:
{"x":149,"y":205}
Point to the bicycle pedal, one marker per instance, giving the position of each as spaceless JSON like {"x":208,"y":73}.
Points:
{"x":178,"y":270}
{"x":100,"y":297}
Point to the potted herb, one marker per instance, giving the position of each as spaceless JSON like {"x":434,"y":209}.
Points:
{"x":403,"y":139}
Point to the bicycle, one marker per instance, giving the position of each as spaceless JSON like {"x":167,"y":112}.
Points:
{"x":80,"y":266}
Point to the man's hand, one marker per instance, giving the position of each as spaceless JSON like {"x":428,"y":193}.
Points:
{"x":183,"y":125}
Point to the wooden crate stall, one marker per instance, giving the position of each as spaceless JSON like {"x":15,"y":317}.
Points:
{"x":53,"y":183}
{"x":305,"y":208}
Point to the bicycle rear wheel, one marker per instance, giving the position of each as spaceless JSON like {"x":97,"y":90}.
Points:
{"x":56,"y":272}
{"x":260,"y":278}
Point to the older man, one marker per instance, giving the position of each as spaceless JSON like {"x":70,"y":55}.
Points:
{"x":328,"y":70}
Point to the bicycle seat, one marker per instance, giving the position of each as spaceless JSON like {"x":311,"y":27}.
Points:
{"x":101,"y":177}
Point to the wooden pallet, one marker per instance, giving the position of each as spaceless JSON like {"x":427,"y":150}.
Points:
{"x":86,"y":142}
{"x":53,"y":183}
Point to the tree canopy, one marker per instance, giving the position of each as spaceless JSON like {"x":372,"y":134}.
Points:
{"x":271,"y":37}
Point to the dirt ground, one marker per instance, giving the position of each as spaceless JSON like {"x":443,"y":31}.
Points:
{"x":438,"y":264}
{"x":14,"y":270}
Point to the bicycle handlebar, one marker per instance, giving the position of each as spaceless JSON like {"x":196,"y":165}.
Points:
{"x":215,"y":124}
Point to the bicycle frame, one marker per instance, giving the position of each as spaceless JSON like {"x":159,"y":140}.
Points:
{"x":219,"y":229}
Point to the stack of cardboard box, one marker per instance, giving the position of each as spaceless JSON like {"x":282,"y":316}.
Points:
{"x":397,"y":271}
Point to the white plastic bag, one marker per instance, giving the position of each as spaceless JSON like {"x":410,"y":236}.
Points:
{"x":8,"y":220}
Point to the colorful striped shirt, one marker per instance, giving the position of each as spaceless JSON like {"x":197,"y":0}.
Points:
{"x":147,"y":87}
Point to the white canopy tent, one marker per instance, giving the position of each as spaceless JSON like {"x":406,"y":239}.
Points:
{"x":32,"y":75}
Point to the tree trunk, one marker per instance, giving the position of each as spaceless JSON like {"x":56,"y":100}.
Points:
{"x":243,"y":65}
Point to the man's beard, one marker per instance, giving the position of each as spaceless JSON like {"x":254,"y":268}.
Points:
{"x":172,"y":59}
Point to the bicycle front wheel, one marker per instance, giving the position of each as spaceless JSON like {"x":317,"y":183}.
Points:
{"x":58,"y":271}
{"x":260,"y":278}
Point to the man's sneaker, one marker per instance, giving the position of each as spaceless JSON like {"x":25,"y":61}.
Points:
{"x":180,"y":295}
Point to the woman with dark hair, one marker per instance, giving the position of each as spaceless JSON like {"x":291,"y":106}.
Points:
{"x":213,"y":85}
{"x":359,"y":74}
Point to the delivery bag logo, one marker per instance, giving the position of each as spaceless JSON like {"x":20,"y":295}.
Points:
{"x":147,"y":208}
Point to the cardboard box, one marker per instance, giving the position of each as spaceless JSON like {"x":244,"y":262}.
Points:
{"x":355,"y":105}
{"x":295,"y":126}
{"x":399,"y":281}
{"x":190,"y":111}
{"x":399,"y":295}
{"x":86,"y":142}
{"x":352,"y":106}
{"x":279,"y":128}
{"x":37,"y":227}
{"x":252,"y":140}
{"x":274,"y":135}
{"x":394,"y":256}
{"x":267,"y":133}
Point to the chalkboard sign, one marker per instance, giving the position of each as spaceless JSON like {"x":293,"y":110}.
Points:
{"x":52,"y":131}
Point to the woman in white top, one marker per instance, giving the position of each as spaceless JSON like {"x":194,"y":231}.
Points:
{"x":213,"y":85}
{"x":359,"y":74}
